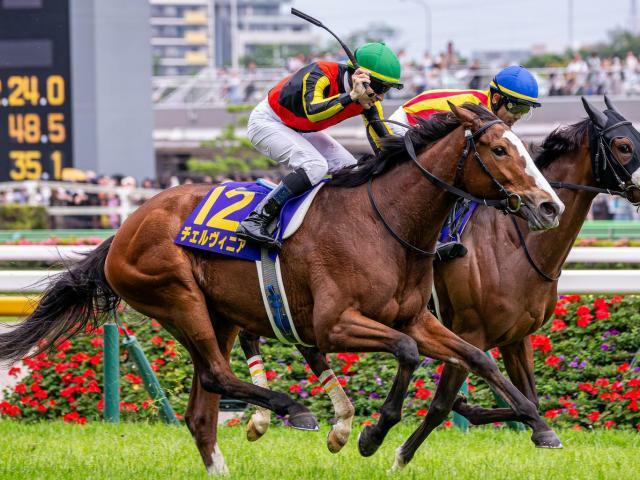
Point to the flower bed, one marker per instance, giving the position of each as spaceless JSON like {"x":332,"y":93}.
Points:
{"x":584,"y":366}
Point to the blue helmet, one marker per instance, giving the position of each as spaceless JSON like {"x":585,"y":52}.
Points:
{"x":517,"y":84}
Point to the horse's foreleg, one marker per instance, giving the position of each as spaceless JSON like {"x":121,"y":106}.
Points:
{"x":342,"y":406}
{"x":436,"y":341}
{"x":353,"y":332}
{"x":450,"y":383}
{"x":260,"y":420}
{"x":518,"y":360}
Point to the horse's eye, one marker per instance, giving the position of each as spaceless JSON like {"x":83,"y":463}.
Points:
{"x":624,"y":148}
{"x":499,"y":151}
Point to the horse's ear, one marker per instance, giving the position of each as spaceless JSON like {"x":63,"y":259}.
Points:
{"x":465,"y":116}
{"x":596,"y":116}
{"x":610,"y":106}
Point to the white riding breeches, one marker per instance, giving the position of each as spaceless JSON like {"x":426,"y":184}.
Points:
{"x":399,"y":116}
{"x":315,"y":152}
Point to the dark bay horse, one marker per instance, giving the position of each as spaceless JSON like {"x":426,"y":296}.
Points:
{"x":351,"y":286}
{"x":494,"y":297}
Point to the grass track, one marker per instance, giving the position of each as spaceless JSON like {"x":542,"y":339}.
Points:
{"x":141,"y":451}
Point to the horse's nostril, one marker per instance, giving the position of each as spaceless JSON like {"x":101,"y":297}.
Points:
{"x":549,"y":209}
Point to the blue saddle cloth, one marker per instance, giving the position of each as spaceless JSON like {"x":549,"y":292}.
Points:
{"x":212,"y":225}
{"x":457,"y":221}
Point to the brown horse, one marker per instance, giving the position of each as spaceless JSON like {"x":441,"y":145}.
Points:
{"x":494,"y":296}
{"x":351,"y":286}
{"x":596,"y":155}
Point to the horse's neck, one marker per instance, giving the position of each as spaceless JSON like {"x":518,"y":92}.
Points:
{"x":551,"y":248}
{"x":419,"y":207}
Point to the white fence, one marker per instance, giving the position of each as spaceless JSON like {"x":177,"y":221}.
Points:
{"x":571,"y":281}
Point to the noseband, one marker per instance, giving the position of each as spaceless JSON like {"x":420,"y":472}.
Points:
{"x":511,"y":203}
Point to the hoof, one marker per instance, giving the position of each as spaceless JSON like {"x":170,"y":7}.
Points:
{"x":367,"y":445}
{"x":333,"y":444}
{"x":252,"y":432}
{"x":546,"y":439}
{"x":304,"y":421}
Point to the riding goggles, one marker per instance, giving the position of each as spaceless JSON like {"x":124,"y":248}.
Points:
{"x":380,"y":87}
{"x":516,"y":108}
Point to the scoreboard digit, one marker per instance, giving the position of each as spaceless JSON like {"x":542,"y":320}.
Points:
{"x":35,"y":100}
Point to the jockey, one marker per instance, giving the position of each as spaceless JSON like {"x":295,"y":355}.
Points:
{"x":287,"y":125}
{"x":511,"y":94}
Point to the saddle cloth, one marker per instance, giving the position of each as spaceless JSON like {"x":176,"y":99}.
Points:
{"x":212,"y":225}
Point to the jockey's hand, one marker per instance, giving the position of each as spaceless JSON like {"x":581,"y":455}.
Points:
{"x":359,"y":93}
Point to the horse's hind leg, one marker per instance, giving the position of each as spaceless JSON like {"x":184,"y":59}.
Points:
{"x":342,"y":406}
{"x":201,"y":416}
{"x":260,"y":420}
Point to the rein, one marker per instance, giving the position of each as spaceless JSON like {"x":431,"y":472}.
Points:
{"x":603,"y":150}
{"x":504,"y":204}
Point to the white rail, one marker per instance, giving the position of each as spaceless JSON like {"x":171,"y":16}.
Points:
{"x":52,"y":253}
{"x":572,"y":281}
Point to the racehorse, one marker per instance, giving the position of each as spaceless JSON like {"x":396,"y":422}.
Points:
{"x":497,"y":296}
{"x":520,"y":289}
{"x":351,"y":286}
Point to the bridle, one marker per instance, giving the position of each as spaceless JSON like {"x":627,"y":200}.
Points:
{"x":605,"y":167}
{"x":505,"y":204}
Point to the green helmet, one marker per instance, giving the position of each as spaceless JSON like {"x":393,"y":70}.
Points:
{"x":381,"y":63}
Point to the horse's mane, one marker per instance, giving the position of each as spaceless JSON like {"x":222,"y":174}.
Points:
{"x":563,"y":140}
{"x":393,"y":151}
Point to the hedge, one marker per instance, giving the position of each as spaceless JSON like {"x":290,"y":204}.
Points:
{"x":585,"y":366}
{"x":23,"y":217}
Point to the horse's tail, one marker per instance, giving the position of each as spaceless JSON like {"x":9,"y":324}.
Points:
{"x":73,"y":301}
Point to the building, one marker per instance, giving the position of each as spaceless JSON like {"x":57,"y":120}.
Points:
{"x":266,"y":32}
{"x":181,"y":36}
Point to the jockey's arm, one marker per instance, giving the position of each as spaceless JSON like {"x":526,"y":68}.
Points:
{"x":375,"y":129}
{"x":317,"y":107}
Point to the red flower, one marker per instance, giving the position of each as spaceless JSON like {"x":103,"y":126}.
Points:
{"x":602,"y":314}
{"x":448,"y":424}
{"x":41,"y":394}
{"x":367,"y":423}
{"x":608,"y":424}
{"x":423,"y":393}
{"x":558,"y":325}
{"x":157,"y":340}
{"x":623,"y":368}
{"x":583,"y":310}
{"x":552,"y":413}
{"x":587,"y":387}
{"x":495,"y":352}
{"x":316,"y":390}
{"x":97,"y":342}
{"x":345,"y":368}
{"x":71,"y":417}
{"x":154,"y":323}
{"x":233,"y":422}
{"x":633,"y":405}
{"x":419,"y":383}
{"x":541,"y":342}
{"x":553,"y":361}
{"x":600,"y":303}
{"x":147,"y":404}
{"x":312,"y":378}
{"x":602,"y":382}
{"x":593,"y":417}
{"x":572,"y":412}
{"x":560,"y":310}
{"x":439,"y":368}
{"x":295,"y":388}
{"x":88,"y":373}
{"x":100,"y":404}
{"x":136,"y":380}
{"x":80,"y":357}
{"x":422,"y":412}
{"x":14,"y":371}
{"x":584,"y":320}
{"x":342,"y":381}
{"x":20,"y":388}
{"x":64,"y":345}
{"x":375,"y":415}
{"x":60,"y":356}
{"x":271,"y":374}
{"x":616,"y":299}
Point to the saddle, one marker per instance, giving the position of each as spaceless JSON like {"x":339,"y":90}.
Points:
{"x":212,"y":225}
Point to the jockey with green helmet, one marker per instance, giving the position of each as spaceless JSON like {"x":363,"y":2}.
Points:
{"x":288,"y":125}
{"x":512,"y":93}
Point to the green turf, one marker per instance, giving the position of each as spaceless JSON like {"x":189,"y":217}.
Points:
{"x":140,"y":451}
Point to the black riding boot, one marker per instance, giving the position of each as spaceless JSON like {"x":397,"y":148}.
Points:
{"x":255,"y":227}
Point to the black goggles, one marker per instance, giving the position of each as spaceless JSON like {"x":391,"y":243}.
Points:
{"x":380,"y":87}
{"x":516,"y":108}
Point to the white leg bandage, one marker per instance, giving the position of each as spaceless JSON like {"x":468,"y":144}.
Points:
{"x":341,"y":405}
{"x":218,"y":466}
{"x":262,"y":417}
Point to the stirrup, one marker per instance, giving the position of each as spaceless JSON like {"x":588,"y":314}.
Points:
{"x":450,"y":250}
